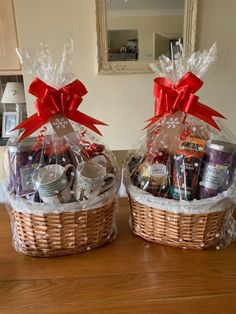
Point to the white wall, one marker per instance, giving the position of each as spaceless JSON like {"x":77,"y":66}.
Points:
{"x":217,"y":23}
{"x":125,"y":101}
{"x":122,"y":101}
{"x":169,"y":26}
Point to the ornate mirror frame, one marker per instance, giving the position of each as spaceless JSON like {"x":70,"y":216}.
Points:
{"x":112,"y":67}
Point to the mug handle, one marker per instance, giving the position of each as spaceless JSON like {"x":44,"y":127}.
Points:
{"x":67,"y":168}
{"x":110,"y":178}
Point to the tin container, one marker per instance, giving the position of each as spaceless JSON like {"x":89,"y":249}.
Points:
{"x":23,"y":161}
{"x":219,"y":168}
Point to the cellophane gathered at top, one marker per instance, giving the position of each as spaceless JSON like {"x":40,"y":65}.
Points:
{"x":61,"y":181}
{"x":180,"y":176}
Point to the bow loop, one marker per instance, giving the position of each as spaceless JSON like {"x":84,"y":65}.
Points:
{"x":63,"y":101}
{"x":164,"y":94}
{"x":40,"y":89}
{"x":76,"y":87}
{"x":190,"y":81}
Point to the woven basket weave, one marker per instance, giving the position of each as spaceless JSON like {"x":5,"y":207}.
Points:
{"x":190,"y":231}
{"x":64,"y":233}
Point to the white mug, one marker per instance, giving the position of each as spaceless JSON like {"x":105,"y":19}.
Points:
{"x":91,"y":179}
{"x":52,"y":183}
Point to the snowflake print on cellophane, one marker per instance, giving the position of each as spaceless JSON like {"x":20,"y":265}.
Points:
{"x":61,"y":180}
{"x":180,"y":176}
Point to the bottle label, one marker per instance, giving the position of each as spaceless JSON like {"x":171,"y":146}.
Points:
{"x":158,"y":170}
{"x":158,"y":174}
{"x":214,"y":176}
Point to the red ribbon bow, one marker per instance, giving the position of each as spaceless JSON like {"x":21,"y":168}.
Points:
{"x":51,"y":101}
{"x":173,"y":97}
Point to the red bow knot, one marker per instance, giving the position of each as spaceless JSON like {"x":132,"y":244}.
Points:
{"x":170,"y":98}
{"x":51,"y":101}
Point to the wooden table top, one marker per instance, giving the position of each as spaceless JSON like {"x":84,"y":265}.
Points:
{"x":129,"y":275}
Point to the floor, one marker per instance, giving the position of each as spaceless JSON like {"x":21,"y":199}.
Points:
{"x":128,"y":275}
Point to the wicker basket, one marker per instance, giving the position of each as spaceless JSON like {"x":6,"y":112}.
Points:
{"x":55,"y":234}
{"x":184,"y":230}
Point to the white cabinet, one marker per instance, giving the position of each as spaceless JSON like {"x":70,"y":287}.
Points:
{"x":9,"y":63}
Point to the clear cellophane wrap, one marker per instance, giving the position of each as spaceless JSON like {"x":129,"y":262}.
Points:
{"x":180,"y":176}
{"x":61,"y":188}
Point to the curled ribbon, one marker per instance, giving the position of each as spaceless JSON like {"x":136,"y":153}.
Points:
{"x":94,"y":149}
{"x":51,"y":101}
{"x":173,"y":97}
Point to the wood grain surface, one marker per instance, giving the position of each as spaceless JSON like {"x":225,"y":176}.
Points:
{"x":129,"y":275}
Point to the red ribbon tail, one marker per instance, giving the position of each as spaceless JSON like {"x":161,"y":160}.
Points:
{"x":206,"y":113}
{"x":85,"y":120}
{"x":152,"y":121}
{"x":207,"y":119}
{"x":32,"y":124}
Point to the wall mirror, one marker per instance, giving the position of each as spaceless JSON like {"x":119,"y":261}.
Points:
{"x":133,"y":33}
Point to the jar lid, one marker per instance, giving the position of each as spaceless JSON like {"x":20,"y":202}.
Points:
{"x":221,"y":146}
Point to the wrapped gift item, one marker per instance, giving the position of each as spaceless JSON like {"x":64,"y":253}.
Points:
{"x":61,"y":180}
{"x":180,"y":176}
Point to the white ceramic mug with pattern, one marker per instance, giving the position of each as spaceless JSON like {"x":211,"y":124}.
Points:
{"x":91,"y":179}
